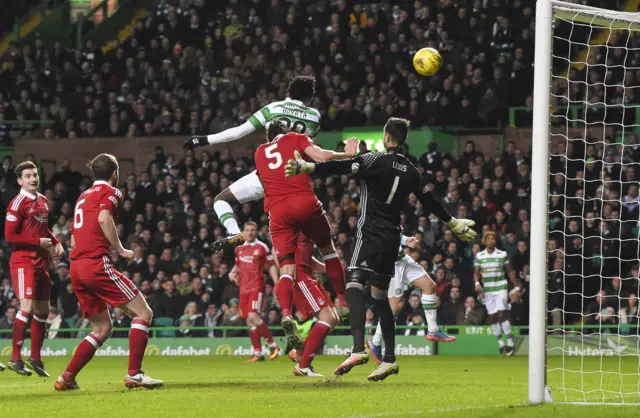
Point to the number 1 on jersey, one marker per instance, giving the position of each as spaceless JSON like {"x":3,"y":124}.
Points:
{"x":271,"y":153}
{"x":393,"y":189}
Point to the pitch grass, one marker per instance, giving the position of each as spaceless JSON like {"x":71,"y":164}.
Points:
{"x":230,"y":387}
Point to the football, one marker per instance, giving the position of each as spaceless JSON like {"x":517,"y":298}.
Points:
{"x":427,"y":61}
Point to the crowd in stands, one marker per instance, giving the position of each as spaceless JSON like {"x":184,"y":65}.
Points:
{"x":195,"y":66}
{"x":200,"y":67}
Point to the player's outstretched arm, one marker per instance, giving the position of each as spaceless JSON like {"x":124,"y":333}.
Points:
{"x":300,"y":166}
{"x":108,"y":226}
{"x":317,"y":266}
{"x":321,"y":155}
{"x":460,"y":227}
{"x":228,"y":135}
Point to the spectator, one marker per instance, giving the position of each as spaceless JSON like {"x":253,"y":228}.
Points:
{"x":55,"y":323}
{"x":169,"y":303}
{"x":190,"y":319}
{"x":453,"y":307}
{"x":472,"y":313}
{"x":120,"y":320}
{"x":212,"y":319}
{"x":6,"y":323}
{"x":232,"y":318}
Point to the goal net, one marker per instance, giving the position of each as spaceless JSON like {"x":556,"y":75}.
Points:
{"x":584,"y":344}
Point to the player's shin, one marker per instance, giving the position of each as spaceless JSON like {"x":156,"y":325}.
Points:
{"x":355,"y":298}
{"x":335,"y":274}
{"x":226,"y":216}
{"x":387,"y":323}
{"x":19,"y":332}
{"x":138,"y":338}
{"x":263,"y":331}
{"x":284,"y":293}
{"x":254,"y":336}
{"x":430,"y":311}
{"x":38,"y":328}
{"x":313,"y":342}
{"x":82,"y":355}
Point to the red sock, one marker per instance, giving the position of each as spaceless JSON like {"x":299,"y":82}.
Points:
{"x":138,"y":338}
{"x":84,"y":353}
{"x":19,"y":332}
{"x":38,"y":327}
{"x":264,"y":332}
{"x":284,"y":293}
{"x":335,"y":274}
{"x":313,"y":342}
{"x":254,"y":335}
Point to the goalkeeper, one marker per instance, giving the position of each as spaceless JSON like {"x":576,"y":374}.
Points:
{"x":386,"y":180}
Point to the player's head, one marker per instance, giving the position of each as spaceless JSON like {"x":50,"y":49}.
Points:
{"x":105,"y":167}
{"x":276,"y":127}
{"x":250,"y":231}
{"x":302,"y":88}
{"x":490,"y":240}
{"x":395,"y":132}
{"x":27,"y":174}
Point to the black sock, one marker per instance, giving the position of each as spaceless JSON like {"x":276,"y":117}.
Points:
{"x":388,"y":324}
{"x":355,"y":299}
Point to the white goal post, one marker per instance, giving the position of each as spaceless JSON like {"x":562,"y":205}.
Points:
{"x":597,"y":375}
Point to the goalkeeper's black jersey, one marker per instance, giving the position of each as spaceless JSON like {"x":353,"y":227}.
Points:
{"x":386,"y":181}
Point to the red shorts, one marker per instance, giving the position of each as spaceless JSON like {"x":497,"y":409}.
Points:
{"x":308,"y":296}
{"x":292,"y":216}
{"x":96,"y":283}
{"x":251,"y":303}
{"x":30,"y":283}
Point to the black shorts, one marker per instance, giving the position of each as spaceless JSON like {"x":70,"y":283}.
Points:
{"x":375,"y":255}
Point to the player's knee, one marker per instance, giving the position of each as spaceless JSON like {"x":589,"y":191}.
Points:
{"x":145,"y":314}
{"x":225,"y":196}
{"x":357,"y":278}
{"x":426,"y":285}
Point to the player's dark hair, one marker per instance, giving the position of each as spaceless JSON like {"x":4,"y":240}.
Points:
{"x":302,"y":88}
{"x":276,"y":127}
{"x":398,"y":129}
{"x":250,"y":223}
{"x":25,"y":165}
{"x":103,"y":166}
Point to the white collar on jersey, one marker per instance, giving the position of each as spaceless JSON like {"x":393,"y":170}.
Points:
{"x":29,"y":195}
{"x":101,"y":182}
{"x":298,"y":102}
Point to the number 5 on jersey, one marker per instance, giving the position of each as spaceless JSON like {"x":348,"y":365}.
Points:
{"x":272,"y":154}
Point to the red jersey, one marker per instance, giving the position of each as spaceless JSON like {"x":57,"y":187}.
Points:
{"x":304,"y":254}
{"x":251,"y":257}
{"x":90,"y":241}
{"x":26,"y":222}
{"x":270,"y":159}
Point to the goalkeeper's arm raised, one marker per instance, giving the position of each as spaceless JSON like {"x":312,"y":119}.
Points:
{"x":460,"y":227}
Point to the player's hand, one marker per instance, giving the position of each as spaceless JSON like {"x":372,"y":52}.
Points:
{"x":126,"y":254}
{"x":351,"y":146}
{"x":412,"y":242}
{"x":46,"y":243}
{"x":195,"y":142}
{"x":297,"y":166}
{"x":462,"y":229}
{"x":58,"y":251}
{"x":478,"y":287}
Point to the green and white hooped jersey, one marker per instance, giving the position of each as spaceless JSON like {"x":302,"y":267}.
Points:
{"x":492,"y":267}
{"x":300,"y":118}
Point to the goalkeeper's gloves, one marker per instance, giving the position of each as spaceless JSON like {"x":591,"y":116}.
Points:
{"x":195,"y":142}
{"x":462,"y":228}
{"x":297,"y":166}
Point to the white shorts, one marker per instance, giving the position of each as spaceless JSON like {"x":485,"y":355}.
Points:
{"x":247,"y":188}
{"x":496,"y":301}
{"x":407,"y":272}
